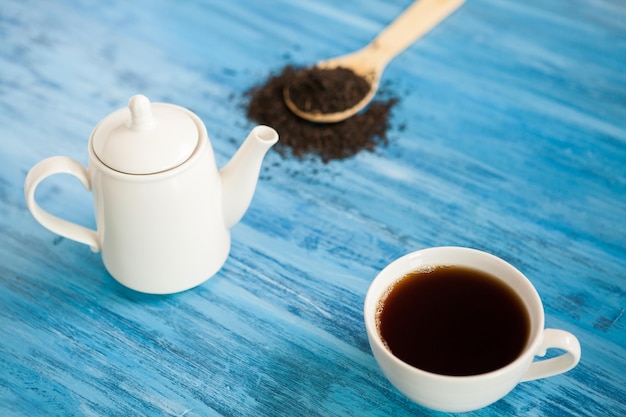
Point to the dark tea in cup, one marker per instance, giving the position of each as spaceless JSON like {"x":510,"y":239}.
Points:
{"x":428,"y":314}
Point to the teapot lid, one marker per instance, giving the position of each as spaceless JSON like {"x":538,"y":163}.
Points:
{"x":145,"y":138}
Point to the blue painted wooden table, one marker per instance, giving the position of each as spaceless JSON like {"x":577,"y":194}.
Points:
{"x":510,"y":137}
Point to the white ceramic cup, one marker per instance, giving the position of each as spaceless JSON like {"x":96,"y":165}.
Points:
{"x":466,"y":393}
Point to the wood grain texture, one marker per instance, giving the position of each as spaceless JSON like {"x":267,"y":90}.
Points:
{"x":510,"y":137}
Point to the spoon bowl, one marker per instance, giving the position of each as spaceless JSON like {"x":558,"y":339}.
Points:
{"x":370,"y":62}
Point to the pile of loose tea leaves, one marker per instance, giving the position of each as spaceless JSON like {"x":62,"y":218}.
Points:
{"x":301,"y":138}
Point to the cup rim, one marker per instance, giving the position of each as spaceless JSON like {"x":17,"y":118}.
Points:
{"x":373,"y":297}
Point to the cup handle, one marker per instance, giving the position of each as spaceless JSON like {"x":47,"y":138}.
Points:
{"x":65,"y":228}
{"x":554,"y":339}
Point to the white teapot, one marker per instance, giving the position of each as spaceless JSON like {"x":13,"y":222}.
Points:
{"x":163,"y":209}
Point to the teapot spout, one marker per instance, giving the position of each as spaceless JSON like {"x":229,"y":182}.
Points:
{"x":241,"y":173}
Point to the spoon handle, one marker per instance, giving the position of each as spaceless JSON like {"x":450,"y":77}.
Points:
{"x":413,"y":23}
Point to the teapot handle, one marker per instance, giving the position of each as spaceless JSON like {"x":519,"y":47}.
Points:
{"x":65,"y":228}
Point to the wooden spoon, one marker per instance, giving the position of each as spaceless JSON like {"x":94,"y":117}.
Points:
{"x":370,"y":61}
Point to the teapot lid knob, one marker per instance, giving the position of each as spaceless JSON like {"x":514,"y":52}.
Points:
{"x":140,"y":112}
